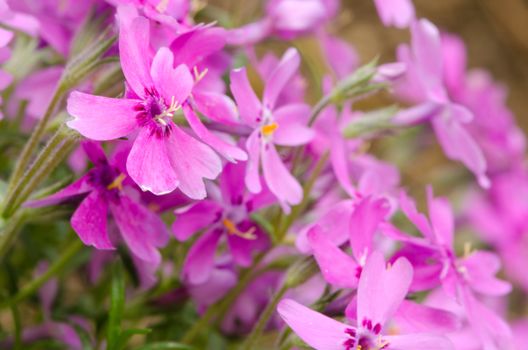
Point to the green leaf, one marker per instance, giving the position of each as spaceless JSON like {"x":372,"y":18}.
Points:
{"x":117,"y":303}
{"x":168,"y":345}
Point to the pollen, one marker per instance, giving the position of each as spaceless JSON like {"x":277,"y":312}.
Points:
{"x":233,"y":230}
{"x":117,"y":183}
{"x":269,"y":129}
{"x":162,"y":6}
{"x":199,"y":75}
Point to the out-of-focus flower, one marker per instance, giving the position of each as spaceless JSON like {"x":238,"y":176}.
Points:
{"x":102,"y":189}
{"x":225,"y":215}
{"x":284,"y":125}
{"x":424,"y":84}
{"x":397,"y":13}
{"x":381,"y":290}
{"x":286,"y":19}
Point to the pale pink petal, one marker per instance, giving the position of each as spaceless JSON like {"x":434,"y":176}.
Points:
{"x":216,"y":106}
{"x":315,"y":329}
{"x":229,"y":151}
{"x":252,"y":178}
{"x":442,"y":218}
{"x":200,"y":260}
{"x":419,"y":220}
{"x":340,"y":55}
{"x":412,"y":317}
{"x":191,"y":47}
{"x":192,"y":162}
{"x":427,"y":50}
{"x":134,"y":49}
{"x":101,"y":118}
{"x":248,"y":103}
{"x":279,"y":180}
{"x":174,"y":84}
{"x":195,"y":218}
{"x":338,"y":268}
{"x":149,"y":165}
{"x":141,"y":233}
{"x":280,"y":76}
{"x":89,"y":221}
{"x":459,"y":145}
{"x":381,"y":290}
{"x":293,"y":130}
{"x":364,"y":222}
{"x":398,"y":13}
{"x":481,"y":268}
{"x":418,"y":342}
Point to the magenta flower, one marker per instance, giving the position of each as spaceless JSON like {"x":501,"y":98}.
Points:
{"x":224,"y":216}
{"x":102,"y":187}
{"x":286,"y":19}
{"x":163,"y":157}
{"x":397,"y":13}
{"x":381,"y":290}
{"x":435,"y":262}
{"x":337,"y":267}
{"x":424,"y":84}
{"x":284,"y":125}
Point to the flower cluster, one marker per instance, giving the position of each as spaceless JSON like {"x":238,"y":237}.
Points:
{"x":243,"y":194}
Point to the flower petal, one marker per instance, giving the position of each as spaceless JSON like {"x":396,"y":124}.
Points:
{"x":252,"y":178}
{"x":141,"y":229}
{"x":192,"y":162}
{"x":195,"y":218}
{"x":79,"y":187}
{"x":149,"y":165}
{"x":337,"y":268}
{"x":134,"y":49}
{"x":216,"y":106}
{"x":101,"y":118}
{"x":231,"y":152}
{"x":418,"y":342}
{"x":315,"y":329}
{"x":279,"y":180}
{"x":381,"y":290}
{"x":171,"y":82}
{"x":364,"y":222}
{"x":89,"y":221}
{"x":280,"y":76}
{"x":293,"y":130}
{"x":200,"y":259}
{"x":248,"y":103}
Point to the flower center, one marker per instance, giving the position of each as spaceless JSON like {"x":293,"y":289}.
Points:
{"x":232,"y":229}
{"x":367,"y":337}
{"x":269,"y":129}
{"x":153,"y":111}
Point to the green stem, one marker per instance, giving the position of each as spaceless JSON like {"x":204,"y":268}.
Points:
{"x":31,"y":145}
{"x":58,"y":147}
{"x":70,"y":252}
{"x":262,"y":322}
{"x":10,"y":232}
{"x":18,"y":327}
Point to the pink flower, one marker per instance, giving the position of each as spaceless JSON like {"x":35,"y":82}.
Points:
{"x":284,"y":125}
{"x":225,"y":217}
{"x":164,"y":157}
{"x":102,"y":191}
{"x":397,"y":13}
{"x":286,"y":19}
{"x":381,"y":290}
{"x":424,"y":84}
